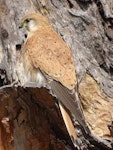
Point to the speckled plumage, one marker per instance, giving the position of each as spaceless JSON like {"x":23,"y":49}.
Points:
{"x":48,"y":51}
{"x":45,"y":49}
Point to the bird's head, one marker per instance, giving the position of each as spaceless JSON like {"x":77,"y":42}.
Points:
{"x":33,"y":22}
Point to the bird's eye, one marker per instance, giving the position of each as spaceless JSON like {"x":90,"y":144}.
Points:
{"x":27,"y":20}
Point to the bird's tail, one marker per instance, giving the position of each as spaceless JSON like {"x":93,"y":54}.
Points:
{"x":71,"y":102}
{"x":71,"y":112}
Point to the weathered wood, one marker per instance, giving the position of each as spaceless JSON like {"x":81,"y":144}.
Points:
{"x":87,"y":27}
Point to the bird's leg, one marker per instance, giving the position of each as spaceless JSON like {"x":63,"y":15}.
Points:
{"x":32,"y":84}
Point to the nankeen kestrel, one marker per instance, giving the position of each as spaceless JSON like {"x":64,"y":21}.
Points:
{"x":44,"y":49}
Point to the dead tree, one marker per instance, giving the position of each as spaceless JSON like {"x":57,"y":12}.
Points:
{"x":29,"y":117}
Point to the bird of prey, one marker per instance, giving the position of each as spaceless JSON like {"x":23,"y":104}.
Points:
{"x":46,"y":56}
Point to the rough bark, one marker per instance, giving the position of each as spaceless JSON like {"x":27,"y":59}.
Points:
{"x":29,"y":118}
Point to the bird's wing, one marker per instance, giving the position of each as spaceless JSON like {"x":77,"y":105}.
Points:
{"x":50,"y":53}
{"x":71,"y":102}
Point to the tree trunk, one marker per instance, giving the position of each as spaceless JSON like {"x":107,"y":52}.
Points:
{"x":29,"y":117}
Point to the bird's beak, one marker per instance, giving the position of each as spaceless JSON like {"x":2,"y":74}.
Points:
{"x":20,"y":26}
